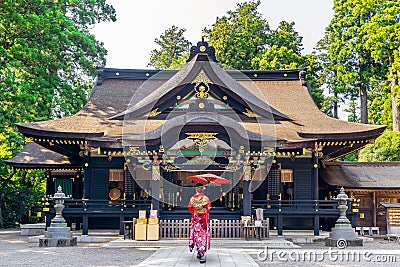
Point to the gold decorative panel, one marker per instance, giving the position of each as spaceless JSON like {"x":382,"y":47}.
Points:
{"x":201,"y":139}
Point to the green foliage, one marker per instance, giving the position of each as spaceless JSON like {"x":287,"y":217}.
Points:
{"x":287,"y":36}
{"x":383,"y":41}
{"x":20,"y":198}
{"x":314,"y":69}
{"x":243,"y":40}
{"x":173,"y":49}
{"x":240,"y":36}
{"x":47,"y":66}
{"x":360,"y":50}
{"x":283,"y":51}
{"x":276,"y":58}
{"x":351,"y":157}
{"x":386,"y":148}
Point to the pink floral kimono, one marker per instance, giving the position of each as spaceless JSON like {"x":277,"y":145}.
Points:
{"x":199,"y":206}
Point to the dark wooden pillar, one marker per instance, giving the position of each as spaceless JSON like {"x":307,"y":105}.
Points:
{"x":155,"y":187}
{"x":246,"y":190}
{"x":246,"y":198}
{"x":121,"y":222}
{"x":373,"y":197}
{"x":235,"y":190}
{"x":85,"y":224}
{"x":87,"y":182}
{"x":316,"y":225}
{"x":280,"y":223}
{"x":314,"y":175}
{"x":48,"y":219}
{"x":76,"y":188}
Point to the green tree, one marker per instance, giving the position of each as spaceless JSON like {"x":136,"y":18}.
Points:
{"x":283,"y":51}
{"x":314,"y":69}
{"x":286,"y":35}
{"x":275,"y":58}
{"x":47,"y":67}
{"x":351,"y":65}
{"x":173,"y":50}
{"x":383,"y":40}
{"x":240,"y":36}
{"x":385,"y":148}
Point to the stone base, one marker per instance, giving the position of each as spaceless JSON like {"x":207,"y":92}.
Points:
{"x":57,"y":242}
{"x":330,"y":242}
{"x":343,"y":233}
{"x":33,"y":229}
{"x":58,"y":232}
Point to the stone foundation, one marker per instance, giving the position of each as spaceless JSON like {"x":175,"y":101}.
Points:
{"x":57,"y":237}
{"x":331,"y":242}
{"x":57,"y":242}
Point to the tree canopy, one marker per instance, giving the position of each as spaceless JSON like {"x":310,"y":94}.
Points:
{"x":359,"y":51}
{"x":48,"y":63}
{"x":239,"y":36}
{"x":385,"y":148}
{"x":383,"y":41}
{"x":173,"y":49}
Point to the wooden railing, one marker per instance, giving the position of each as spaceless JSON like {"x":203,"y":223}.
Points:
{"x":93,"y":204}
{"x":298,"y":206}
{"x":180,"y":229}
{"x":226,"y":228}
{"x":174,"y":229}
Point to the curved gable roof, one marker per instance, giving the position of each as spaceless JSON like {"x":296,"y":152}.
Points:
{"x":200,"y":64}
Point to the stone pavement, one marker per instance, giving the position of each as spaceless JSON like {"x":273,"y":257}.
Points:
{"x":181,"y":257}
{"x":16,"y":251}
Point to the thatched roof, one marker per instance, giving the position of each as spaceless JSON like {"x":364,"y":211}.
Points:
{"x":363,"y":175}
{"x":34,"y":156}
{"x":288,"y":97}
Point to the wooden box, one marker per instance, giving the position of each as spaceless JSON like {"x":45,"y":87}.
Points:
{"x":153,"y":220}
{"x":141,"y":221}
{"x":140,"y":231}
{"x":153,"y":231}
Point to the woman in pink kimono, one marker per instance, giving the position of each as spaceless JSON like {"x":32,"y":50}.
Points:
{"x":199,"y":206}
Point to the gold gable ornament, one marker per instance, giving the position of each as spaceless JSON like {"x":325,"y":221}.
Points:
{"x":202,"y":91}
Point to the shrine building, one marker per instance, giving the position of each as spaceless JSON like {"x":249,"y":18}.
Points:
{"x":144,"y":132}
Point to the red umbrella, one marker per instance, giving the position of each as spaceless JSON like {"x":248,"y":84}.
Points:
{"x":209,"y":178}
{"x":197,"y":178}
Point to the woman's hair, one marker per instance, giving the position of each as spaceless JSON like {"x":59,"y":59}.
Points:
{"x":200,"y":189}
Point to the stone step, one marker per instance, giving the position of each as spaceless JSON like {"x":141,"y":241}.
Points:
{"x":80,"y":238}
{"x":271,"y":243}
{"x":33,"y":229}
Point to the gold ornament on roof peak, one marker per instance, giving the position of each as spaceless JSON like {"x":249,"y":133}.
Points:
{"x":201,"y":78}
{"x":201,"y":90}
{"x":250,"y":114}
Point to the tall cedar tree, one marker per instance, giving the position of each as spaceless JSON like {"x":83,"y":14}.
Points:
{"x":47,"y":66}
{"x":173,"y":49}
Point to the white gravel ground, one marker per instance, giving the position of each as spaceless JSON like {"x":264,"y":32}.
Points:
{"x":16,"y":251}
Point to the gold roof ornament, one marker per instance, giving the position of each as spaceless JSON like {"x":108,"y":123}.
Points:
{"x":250,"y":114}
{"x":201,"y":90}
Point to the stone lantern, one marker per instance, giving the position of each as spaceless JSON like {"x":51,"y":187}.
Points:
{"x":343,"y":234}
{"x":58,"y":220}
{"x":58,"y":234}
